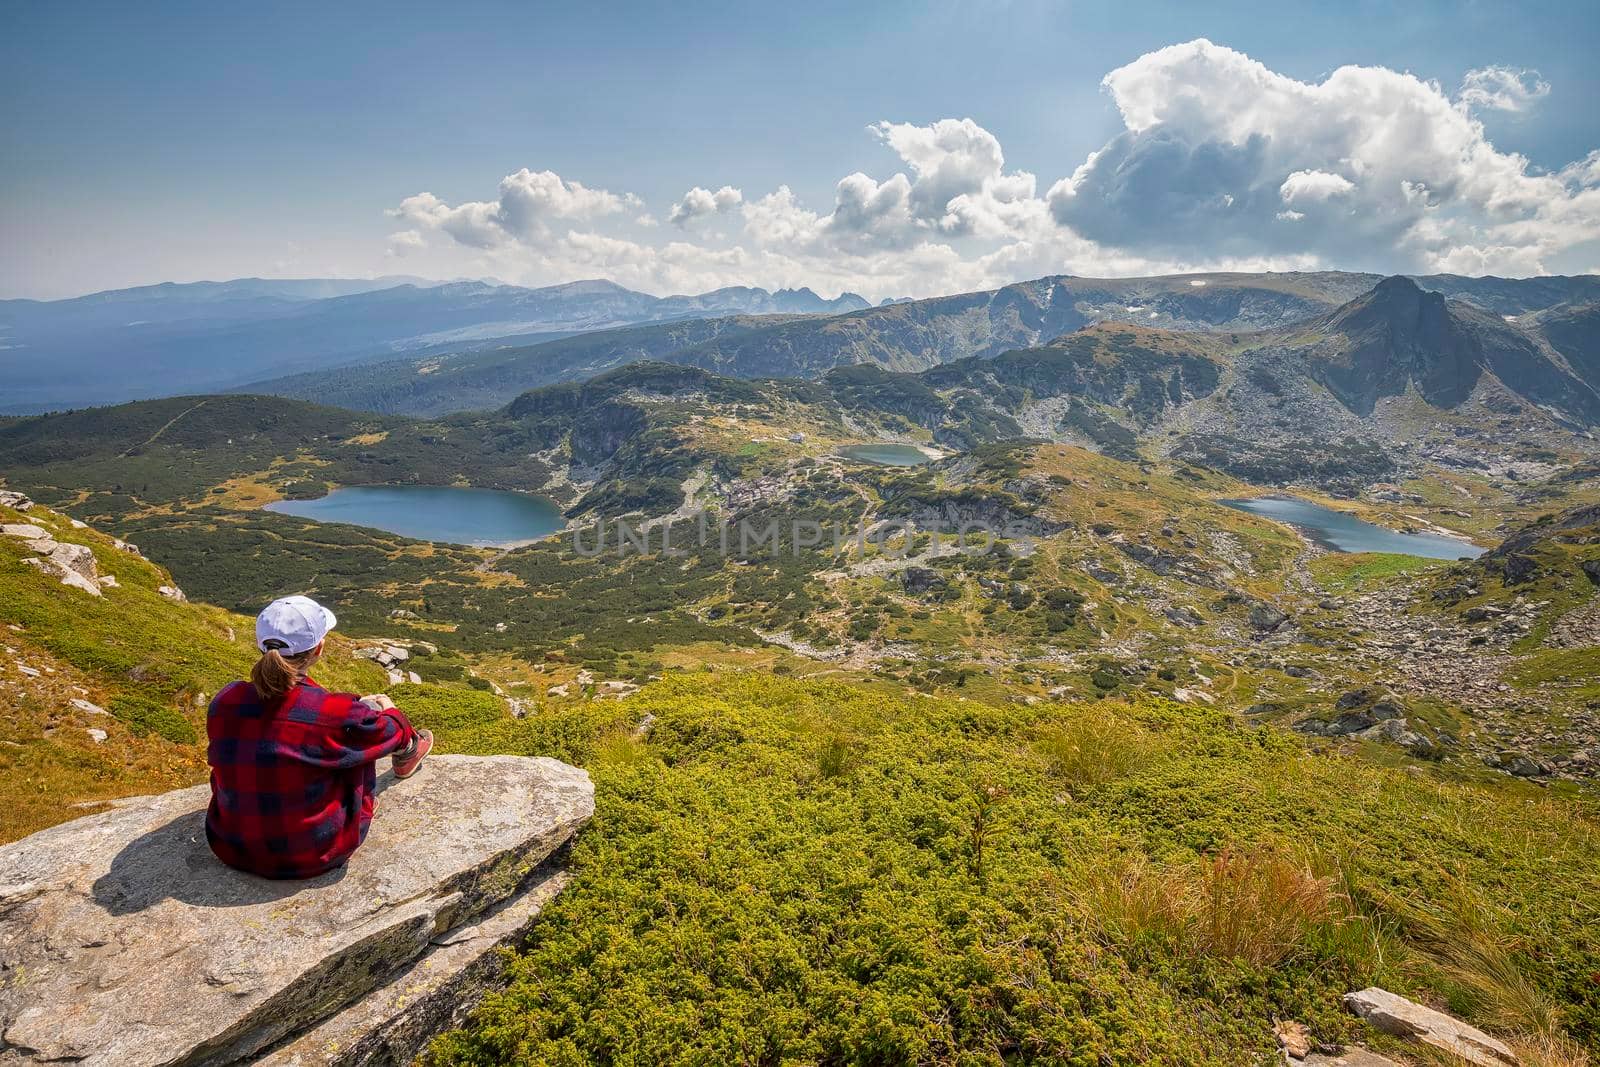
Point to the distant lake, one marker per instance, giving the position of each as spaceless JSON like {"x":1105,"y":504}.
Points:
{"x":483,"y":517}
{"x":887,"y":455}
{"x":1343,"y":532}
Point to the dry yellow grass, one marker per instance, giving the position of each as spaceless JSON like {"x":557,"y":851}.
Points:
{"x":1258,"y":905}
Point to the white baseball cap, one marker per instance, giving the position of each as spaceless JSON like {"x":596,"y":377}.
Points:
{"x":298,"y":623}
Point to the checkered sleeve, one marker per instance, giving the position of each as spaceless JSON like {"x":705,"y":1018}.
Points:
{"x":356,"y":734}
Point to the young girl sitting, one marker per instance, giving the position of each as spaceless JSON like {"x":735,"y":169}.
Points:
{"x":293,"y":776}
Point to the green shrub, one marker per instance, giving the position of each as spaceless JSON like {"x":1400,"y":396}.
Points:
{"x":808,"y":872}
{"x":145,"y":716}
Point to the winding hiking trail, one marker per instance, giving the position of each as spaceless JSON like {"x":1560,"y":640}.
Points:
{"x":147,"y":442}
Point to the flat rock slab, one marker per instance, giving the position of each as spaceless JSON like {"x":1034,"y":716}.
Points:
{"x":125,"y":943}
{"x":391,"y":1025}
{"x":1394,"y":1014}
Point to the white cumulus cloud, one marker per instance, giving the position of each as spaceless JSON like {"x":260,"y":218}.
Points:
{"x":404,"y":243}
{"x":1388,"y":171}
{"x":528,"y":202}
{"x":1222,"y":163}
{"x":1305,"y":185}
{"x":698,"y":203}
{"x":1501,"y":89}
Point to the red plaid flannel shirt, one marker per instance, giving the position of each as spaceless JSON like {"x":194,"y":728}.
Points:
{"x":293,"y":781}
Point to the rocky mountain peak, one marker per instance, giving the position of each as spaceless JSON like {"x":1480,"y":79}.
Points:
{"x":1392,"y":337}
{"x":1409,"y":317}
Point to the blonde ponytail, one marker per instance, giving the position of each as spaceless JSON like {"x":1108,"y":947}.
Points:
{"x":275,"y":674}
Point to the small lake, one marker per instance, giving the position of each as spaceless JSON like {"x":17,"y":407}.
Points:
{"x":1343,"y":532}
{"x":886,"y":454}
{"x":483,"y":517}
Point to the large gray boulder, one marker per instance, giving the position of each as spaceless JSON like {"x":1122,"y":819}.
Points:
{"x":124,"y":942}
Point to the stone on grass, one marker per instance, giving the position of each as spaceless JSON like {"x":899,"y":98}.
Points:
{"x":1265,"y":617}
{"x":1399,"y":1017}
{"x":140,"y":948}
{"x":77,"y":558}
{"x":1519,"y":764}
{"x":63,"y":574}
{"x":25,"y":530}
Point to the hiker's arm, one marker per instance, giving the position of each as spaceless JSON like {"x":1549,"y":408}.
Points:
{"x":368,"y":733}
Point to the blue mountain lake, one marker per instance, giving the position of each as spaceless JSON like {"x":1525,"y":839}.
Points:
{"x":483,"y":517}
{"x":1343,"y":532}
{"x":886,"y":454}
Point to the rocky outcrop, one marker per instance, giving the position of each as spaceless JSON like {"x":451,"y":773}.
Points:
{"x":1264,"y":618}
{"x":69,"y":564}
{"x":1397,"y":1016}
{"x":1518,"y":764}
{"x":1185,"y":567}
{"x":139,"y":947}
{"x":920,"y":581}
{"x":390,"y":1026}
{"x":969,"y":512}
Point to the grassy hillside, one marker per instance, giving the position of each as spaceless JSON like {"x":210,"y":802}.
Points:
{"x":815,"y":872}
{"x":849,"y":869}
{"x":149,"y":662}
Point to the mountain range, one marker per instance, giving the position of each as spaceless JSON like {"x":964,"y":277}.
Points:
{"x":207,"y":336}
{"x":408,"y":346}
{"x":1392,"y":382}
{"x":911,"y":336}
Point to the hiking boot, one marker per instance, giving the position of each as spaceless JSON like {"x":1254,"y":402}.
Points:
{"x":407,"y":762}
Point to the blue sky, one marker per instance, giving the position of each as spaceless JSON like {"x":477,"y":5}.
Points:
{"x":184,"y":141}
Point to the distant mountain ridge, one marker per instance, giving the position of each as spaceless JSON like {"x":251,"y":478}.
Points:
{"x":208,"y":336}
{"x":213,"y":336}
{"x":911,"y":336}
{"x":1388,"y":384}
